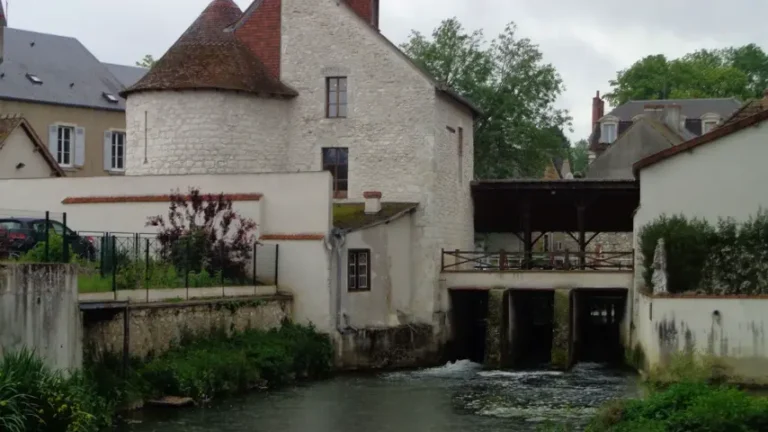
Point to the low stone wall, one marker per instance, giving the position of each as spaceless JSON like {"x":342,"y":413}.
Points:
{"x":733,"y":330}
{"x":39,"y":311}
{"x":155,"y":327}
{"x":404,"y":346}
{"x":174,"y":294}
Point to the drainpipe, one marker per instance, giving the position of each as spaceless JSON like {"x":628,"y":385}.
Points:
{"x":336,"y":243}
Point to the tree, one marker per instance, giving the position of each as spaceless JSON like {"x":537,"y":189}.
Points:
{"x":204,"y":233}
{"x":147,"y":62}
{"x":579,"y":154}
{"x":520,"y":130}
{"x":731,"y":72}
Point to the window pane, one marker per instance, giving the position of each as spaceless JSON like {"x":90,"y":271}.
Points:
{"x":332,"y":97}
{"x":343,"y":97}
{"x":343,"y":84}
{"x":342,"y":156}
{"x":332,"y":111}
{"x":57,"y":227}
{"x":341,"y":185}
{"x":342,"y":172}
{"x":333,"y":84}
{"x":342,"y":110}
{"x":11,"y":225}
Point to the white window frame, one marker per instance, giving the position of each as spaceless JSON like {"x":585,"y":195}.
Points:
{"x":112,"y":156}
{"x":72,"y":144}
{"x":709,"y":118}
{"x":609,"y":121}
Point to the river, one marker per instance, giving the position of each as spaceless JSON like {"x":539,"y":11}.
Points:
{"x":458,"y":397}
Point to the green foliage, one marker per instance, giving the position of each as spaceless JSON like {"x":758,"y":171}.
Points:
{"x":579,"y":157}
{"x":202,"y":368}
{"x":39,"y":399}
{"x":55,"y":251}
{"x":731,"y":72}
{"x":694,"y":407}
{"x":729,"y":258}
{"x":520,"y":129}
{"x":688,"y":367}
{"x":687,"y":245}
{"x":147,"y":61}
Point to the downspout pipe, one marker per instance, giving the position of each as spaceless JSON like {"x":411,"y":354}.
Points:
{"x":337,"y":240}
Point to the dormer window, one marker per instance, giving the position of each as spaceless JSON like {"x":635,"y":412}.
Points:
{"x":608,"y":132}
{"x":110,"y":97}
{"x":709,"y":121}
{"x":34,"y":79}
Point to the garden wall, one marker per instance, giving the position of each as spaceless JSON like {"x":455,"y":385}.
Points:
{"x":39,"y":311}
{"x":153,"y":328}
{"x":733,"y":329}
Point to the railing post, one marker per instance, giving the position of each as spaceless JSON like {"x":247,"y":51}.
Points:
{"x":255,"y":244}
{"x":502,"y":260}
{"x":47,"y":238}
{"x":221,"y":269}
{"x":442,"y":259}
{"x":114,"y":265}
{"x":277,"y":264}
{"x":146,"y":267}
{"x":187,"y":266}
{"x":567,"y":262}
{"x":65,"y":240}
{"x":456,"y":259}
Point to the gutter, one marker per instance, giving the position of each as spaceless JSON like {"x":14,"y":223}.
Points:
{"x":335,"y":243}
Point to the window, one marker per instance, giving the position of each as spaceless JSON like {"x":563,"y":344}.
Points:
{"x":118,"y":151}
{"x":34,"y":78}
{"x":336,"y":97}
{"x":64,"y":144}
{"x":335,"y":160}
{"x":608,"y":134}
{"x":359,"y":270}
{"x":110,"y":97}
{"x":708,"y":125}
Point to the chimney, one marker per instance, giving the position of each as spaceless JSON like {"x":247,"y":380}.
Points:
{"x":672,"y":116}
{"x":598,"y":109}
{"x":3,"y":25}
{"x":372,"y":202}
{"x":367,"y":9}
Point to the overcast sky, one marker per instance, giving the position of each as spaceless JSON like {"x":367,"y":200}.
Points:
{"x":586,"y":40}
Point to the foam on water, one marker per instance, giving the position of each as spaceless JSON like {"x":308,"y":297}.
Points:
{"x":457,"y":369}
{"x":517,"y":374}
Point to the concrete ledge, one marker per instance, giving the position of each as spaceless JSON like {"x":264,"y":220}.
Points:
{"x":160,"y":295}
{"x":538,"y":279}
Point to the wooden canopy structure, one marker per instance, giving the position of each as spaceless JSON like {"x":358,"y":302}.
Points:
{"x":575,"y":206}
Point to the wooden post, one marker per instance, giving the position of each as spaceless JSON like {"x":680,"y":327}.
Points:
{"x":456,"y":259}
{"x":581,"y":220}
{"x":502,"y":260}
{"x":527,"y":236}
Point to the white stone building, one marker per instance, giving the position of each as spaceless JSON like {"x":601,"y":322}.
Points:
{"x":310,"y":85}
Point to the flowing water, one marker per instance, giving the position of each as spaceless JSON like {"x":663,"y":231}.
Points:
{"x":458,"y":397}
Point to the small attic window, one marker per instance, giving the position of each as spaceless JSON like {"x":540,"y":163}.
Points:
{"x":34,"y":78}
{"x":110,"y":97}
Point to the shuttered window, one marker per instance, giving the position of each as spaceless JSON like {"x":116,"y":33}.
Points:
{"x":359,"y":270}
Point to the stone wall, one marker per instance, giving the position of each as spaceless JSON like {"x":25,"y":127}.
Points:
{"x":154,"y":328}
{"x":561,"y":330}
{"x":404,"y":346}
{"x":39,"y":311}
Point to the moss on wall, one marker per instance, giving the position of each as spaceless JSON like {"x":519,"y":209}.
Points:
{"x":561,"y":329}
{"x":495,"y":328}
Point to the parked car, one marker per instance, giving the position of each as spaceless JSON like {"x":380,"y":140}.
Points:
{"x":20,"y":235}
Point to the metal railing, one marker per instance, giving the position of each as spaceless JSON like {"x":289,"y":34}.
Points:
{"x":130,"y":261}
{"x":457,"y":260}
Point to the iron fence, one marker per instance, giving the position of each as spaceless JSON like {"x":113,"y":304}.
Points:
{"x":36,"y":236}
{"x":130,"y":261}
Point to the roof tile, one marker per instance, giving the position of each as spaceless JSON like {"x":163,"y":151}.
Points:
{"x":208,"y":56}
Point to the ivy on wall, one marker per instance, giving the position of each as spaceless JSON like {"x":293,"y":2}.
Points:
{"x":729,"y":258}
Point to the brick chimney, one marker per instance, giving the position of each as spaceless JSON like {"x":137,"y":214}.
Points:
{"x":368,"y":9}
{"x":372,"y":202}
{"x":598,"y":109}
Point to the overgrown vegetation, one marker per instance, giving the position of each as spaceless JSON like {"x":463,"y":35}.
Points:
{"x":688,"y":394}
{"x":34,"y":398}
{"x":729,"y":258}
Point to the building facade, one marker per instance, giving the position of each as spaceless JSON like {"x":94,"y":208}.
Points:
{"x":311,"y":85}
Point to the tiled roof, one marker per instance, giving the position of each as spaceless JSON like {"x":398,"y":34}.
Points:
{"x":752,"y":113}
{"x":68,"y":73}
{"x":352,"y":216}
{"x":9,"y":123}
{"x":208,"y":57}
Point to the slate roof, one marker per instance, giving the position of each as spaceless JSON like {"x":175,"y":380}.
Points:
{"x":127,"y":75}
{"x":692,"y":109}
{"x":352,"y":216}
{"x":208,"y":57}
{"x":70,"y":74}
{"x":645,"y":137}
{"x":9,"y":123}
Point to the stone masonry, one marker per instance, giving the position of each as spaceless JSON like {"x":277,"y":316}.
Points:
{"x":154,"y":328}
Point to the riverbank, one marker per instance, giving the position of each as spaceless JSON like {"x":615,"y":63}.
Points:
{"x":34,"y":398}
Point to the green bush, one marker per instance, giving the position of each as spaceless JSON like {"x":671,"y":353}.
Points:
{"x":55,"y":251}
{"x":60,"y":404}
{"x":688,"y":243}
{"x":694,"y":407}
{"x":215,"y":365}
